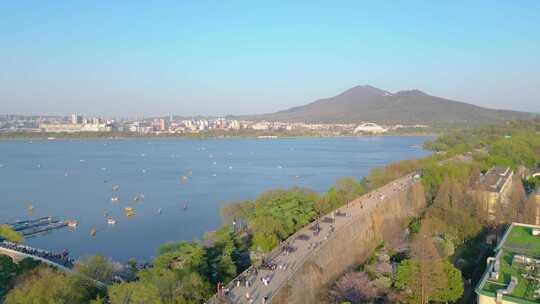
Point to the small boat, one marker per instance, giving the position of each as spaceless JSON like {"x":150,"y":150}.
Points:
{"x":139,"y":197}
{"x":72,"y":223}
{"x":143,"y":171}
{"x":129,"y":211}
{"x":111,"y":221}
{"x":185,"y":207}
{"x":115,"y":188}
{"x":30,"y":208}
{"x":51,"y":138}
{"x":184,"y":178}
{"x":159,"y":211}
{"x":114,"y":199}
{"x":93,"y":232}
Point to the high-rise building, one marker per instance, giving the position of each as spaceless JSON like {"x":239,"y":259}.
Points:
{"x":162,"y":124}
{"x":76,"y":119}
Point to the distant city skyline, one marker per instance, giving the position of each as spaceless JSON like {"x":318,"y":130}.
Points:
{"x":214,"y":59}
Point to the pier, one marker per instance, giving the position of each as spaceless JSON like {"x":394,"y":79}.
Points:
{"x":36,"y":226}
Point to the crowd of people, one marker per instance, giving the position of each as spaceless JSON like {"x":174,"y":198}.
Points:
{"x":61,"y":258}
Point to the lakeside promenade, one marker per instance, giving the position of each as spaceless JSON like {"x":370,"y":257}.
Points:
{"x":261,"y":284}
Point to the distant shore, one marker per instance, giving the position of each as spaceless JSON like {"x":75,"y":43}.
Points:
{"x":206,"y":135}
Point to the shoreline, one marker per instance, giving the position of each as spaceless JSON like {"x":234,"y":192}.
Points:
{"x":50,"y":137}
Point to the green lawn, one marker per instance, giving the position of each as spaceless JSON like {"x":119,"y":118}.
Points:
{"x":520,"y":240}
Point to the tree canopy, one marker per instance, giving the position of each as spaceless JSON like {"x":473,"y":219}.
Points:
{"x":7,"y":232}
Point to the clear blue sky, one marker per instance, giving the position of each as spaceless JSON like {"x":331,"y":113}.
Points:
{"x":239,"y":57}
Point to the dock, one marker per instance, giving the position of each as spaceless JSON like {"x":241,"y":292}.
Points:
{"x":35,"y":226}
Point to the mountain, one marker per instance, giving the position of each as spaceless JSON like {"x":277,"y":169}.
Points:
{"x":367,"y":103}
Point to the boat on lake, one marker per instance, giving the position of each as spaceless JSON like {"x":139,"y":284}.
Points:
{"x":111,"y":221}
{"x":114,"y":199}
{"x":139,"y":197}
{"x":129,"y":211}
{"x":72,"y":223}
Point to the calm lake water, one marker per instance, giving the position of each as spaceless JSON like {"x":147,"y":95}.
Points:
{"x":73,"y":179}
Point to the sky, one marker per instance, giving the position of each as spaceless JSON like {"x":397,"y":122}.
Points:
{"x":133,"y":58}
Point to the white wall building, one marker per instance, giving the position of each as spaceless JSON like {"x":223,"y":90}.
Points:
{"x":369,"y":127}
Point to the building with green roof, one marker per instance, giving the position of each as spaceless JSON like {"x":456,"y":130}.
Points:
{"x":513,"y":275}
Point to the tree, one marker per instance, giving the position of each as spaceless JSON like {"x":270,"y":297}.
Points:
{"x":134,"y":293}
{"x":429,"y":265}
{"x":453,"y":289}
{"x":220,"y":260}
{"x":349,"y":188}
{"x":355,"y":287}
{"x":45,"y":285}
{"x":195,"y":289}
{"x":7,"y":232}
{"x":443,"y":199}
{"x":423,"y":274}
{"x":8,"y":271}
{"x":530,"y":211}
{"x":165,"y":281}
{"x":278,"y":214}
{"x":96,"y":267}
{"x":27,"y":264}
{"x":406,"y":279}
{"x":181,"y":257}
{"x":97,"y":300}
{"x":236,"y":210}
{"x":516,"y":204}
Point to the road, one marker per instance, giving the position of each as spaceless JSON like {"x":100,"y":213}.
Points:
{"x":288,"y":262}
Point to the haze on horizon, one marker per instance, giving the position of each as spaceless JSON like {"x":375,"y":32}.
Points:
{"x":239,"y":57}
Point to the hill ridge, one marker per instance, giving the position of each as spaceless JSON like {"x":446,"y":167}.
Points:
{"x":369,"y":103}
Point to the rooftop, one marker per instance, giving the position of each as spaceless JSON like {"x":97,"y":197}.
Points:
{"x":515,"y":271}
{"x":495,"y":178}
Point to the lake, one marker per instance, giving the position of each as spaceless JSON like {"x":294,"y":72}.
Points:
{"x":73,"y":179}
